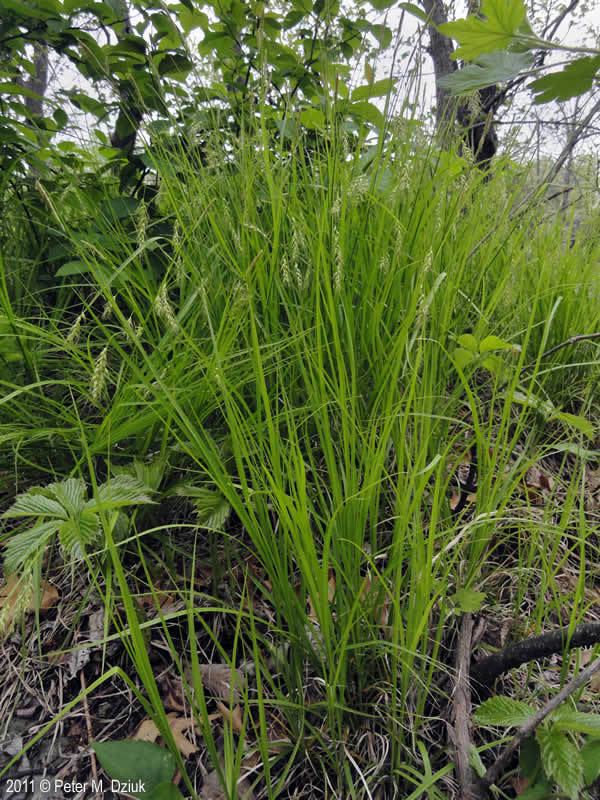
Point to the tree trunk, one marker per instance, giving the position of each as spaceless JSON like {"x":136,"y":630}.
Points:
{"x":130,"y":114}
{"x":441,"y":49}
{"x":38,"y":82}
{"x":476,"y":117}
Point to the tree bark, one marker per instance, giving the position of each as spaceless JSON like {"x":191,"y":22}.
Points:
{"x":38,"y":82}
{"x":476,"y":118}
{"x":130,"y":114}
{"x":441,"y":49}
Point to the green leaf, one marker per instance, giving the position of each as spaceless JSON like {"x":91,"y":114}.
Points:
{"x":503,"y":712}
{"x":468,"y":600}
{"x":70,"y":493}
{"x":576,"y":421}
{"x":16,"y":88}
{"x":382,"y":5}
{"x":174,"y":64}
{"x":312,"y":118}
{"x":417,"y":12}
{"x":462,"y":358}
{"x":35,"y":505}
{"x":367,"y":112}
{"x":192,"y":19}
{"x":561,"y":760}
{"x":376,"y":89}
{"x":489,"y":69}
{"x":382,"y":33}
{"x":590,"y":755}
{"x":76,"y":534}
{"x":492,"y":343}
{"x":72,"y":268}
{"x":574,"y":79}
{"x":469,"y":342}
{"x":164,"y":791}
{"x":122,"y":490}
{"x":500,"y":23}
{"x":25,"y":547}
{"x":130,"y":760}
{"x":578,"y":721}
{"x":542,"y":789}
{"x":530,"y":758}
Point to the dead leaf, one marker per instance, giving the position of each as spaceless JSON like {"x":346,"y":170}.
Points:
{"x":223,"y":681}
{"x":13,"y":601}
{"x":381,"y":601}
{"x":233,"y":717}
{"x":148,"y":732}
{"x":312,"y":613}
{"x":520,"y":784}
{"x":538,"y":484}
{"x":212,"y":789}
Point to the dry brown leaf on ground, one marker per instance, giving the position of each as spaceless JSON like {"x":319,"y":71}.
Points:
{"x":212,"y":789}
{"x":331,"y":587}
{"x":148,"y":732}
{"x":538,"y":485}
{"x":233,"y":717}
{"x":374,"y":589}
{"x":16,"y":599}
{"x":223,"y":681}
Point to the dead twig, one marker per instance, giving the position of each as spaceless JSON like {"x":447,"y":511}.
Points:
{"x":580,"y":337}
{"x":88,"y":725}
{"x":486,"y":671}
{"x":462,"y":710}
{"x":496,"y":770}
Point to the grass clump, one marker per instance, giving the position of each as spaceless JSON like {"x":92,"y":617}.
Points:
{"x":273,"y":347}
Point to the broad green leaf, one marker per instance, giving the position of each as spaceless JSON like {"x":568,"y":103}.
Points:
{"x":164,"y":791}
{"x":590,"y":755}
{"x":413,"y":9}
{"x":503,"y":712}
{"x":578,"y":721}
{"x":174,"y":64}
{"x":376,"y":89}
{"x":130,"y":760}
{"x":76,"y":534}
{"x":72,"y":268}
{"x":542,"y":789}
{"x":367,"y":112}
{"x":16,"y":88}
{"x":382,"y":33}
{"x":35,"y":505}
{"x":312,"y":118}
{"x":23,"y":548}
{"x":122,"y":490}
{"x":492,"y":343}
{"x":545,"y":407}
{"x":469,"y":342}
{"x":499,"y":24}
{"x":576,"y":78}
{"x":190,"y":20}
{"x":530,"y":758}
{"x":462,"y":358}
{"x":561,"y":759}
{"x":488,"y":70}
{"x":382,"y":5}
{"x":468,"y":600}
{"x":70,"y":493}
{"x":576,"y":421}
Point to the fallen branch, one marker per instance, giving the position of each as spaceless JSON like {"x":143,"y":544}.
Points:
{"x":496,"y":769}
{"x":486,"y":671}
{"x":462,"y":711}
{"x":581,"y":337}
